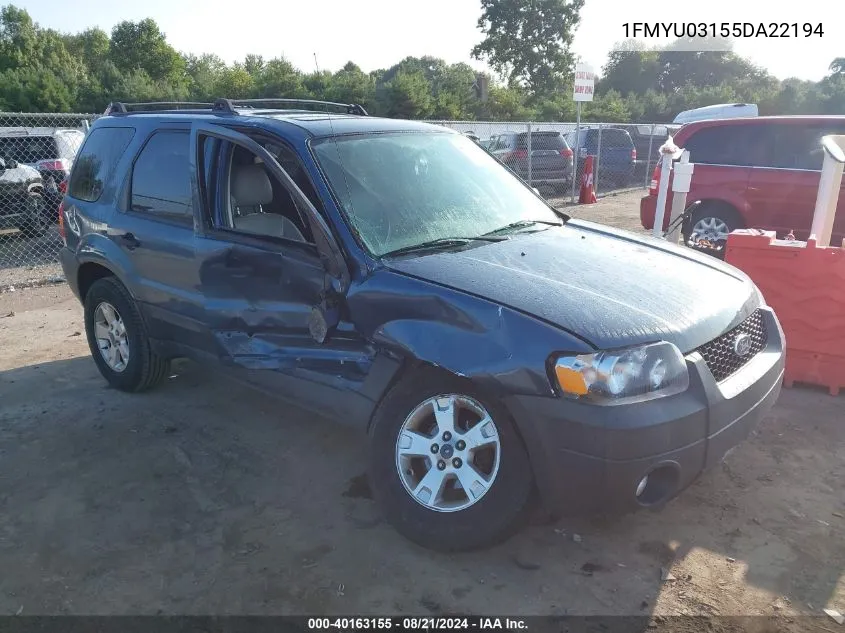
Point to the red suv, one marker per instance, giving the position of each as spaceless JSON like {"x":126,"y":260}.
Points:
{"x":760,"y":172}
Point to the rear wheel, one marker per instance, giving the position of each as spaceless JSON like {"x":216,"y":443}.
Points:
{"x":118,"y":338}
{"x":447,"y":465}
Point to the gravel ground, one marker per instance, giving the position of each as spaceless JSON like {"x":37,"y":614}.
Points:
{"x":203,"y":497}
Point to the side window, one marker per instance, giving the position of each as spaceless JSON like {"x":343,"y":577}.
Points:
{"x":97,"y":158}
{"x":254,"y":202}
{"x":161,"y":178}
{"x":738,"y":145}
{"x":800,"y":146}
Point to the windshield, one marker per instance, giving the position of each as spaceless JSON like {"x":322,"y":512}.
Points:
{"x":400,"y":190}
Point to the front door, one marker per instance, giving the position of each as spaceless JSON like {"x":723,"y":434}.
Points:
{"x":782,"y":189}
{"x":264,"y":279}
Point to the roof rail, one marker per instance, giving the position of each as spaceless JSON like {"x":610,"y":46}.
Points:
{"x":230,"y":105}
{"x":117,"y":107}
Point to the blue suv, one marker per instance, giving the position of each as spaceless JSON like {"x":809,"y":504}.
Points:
{"x":395,"y":276}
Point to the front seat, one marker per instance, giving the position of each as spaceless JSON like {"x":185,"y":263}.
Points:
{"x":251,"y":190}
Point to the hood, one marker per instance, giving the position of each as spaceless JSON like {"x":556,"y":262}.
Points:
{"x":611,"y":288}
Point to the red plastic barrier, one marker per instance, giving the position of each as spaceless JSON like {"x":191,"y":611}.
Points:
{"x":805,"y":285}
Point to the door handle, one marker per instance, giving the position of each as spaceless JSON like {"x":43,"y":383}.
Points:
{"x":130,"y":241}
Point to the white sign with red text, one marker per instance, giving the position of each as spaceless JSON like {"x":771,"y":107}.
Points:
{"x":585,"y":82}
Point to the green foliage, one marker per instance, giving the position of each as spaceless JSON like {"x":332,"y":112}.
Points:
{"x":526,"y":41}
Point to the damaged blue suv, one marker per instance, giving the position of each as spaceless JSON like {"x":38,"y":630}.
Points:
{"x":395,"y":276}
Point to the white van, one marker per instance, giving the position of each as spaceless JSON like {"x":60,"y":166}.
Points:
{"x":718,"y":111}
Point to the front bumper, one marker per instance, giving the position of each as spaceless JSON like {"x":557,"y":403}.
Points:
{"x":590,"y":459}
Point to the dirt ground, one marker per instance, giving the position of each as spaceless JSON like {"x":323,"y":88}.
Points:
{"x":203,"y":497}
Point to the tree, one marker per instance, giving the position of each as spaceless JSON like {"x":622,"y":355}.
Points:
{"x":278,"y":78}
{"x":142,"y":46}
{"x":630,"y":69}
{"x":528,"y":41}
{"x":352,"y":85}
{"x":205,"y":74}
{"x":407,"y":96}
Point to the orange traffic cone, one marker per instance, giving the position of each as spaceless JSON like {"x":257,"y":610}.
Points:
{"x":587,"y":195}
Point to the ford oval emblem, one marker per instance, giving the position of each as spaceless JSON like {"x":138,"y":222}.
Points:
{"x":742,"y":345}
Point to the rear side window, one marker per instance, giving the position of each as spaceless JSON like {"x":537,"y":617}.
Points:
{"x":161,"y":178}
{"x":736,"y":145}
{"x":541,"y":140}
{"x":100,"y":153}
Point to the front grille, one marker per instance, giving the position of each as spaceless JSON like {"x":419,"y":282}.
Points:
{"x":719,"y":353}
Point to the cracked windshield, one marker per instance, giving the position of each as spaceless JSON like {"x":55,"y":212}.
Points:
{"x":401,"y":190}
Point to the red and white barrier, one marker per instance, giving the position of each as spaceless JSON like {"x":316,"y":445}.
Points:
{"x":804,"y":282}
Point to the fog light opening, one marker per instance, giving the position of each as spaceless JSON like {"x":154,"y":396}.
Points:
{"x":658,"y":485}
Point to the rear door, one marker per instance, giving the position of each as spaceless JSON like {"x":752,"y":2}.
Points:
{"x":617,"y":151}
{"x":155,"y":232}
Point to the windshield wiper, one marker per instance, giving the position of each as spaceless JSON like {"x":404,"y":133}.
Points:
{"x":442,"y":242}
{"x":520,"y":224}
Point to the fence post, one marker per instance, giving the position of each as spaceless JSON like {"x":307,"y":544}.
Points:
{"x":597,"y":163}
{"x":530,"y":158}
{"x":648,"y":158}
{"x":576,"y":148}
{"x":829,"y":186}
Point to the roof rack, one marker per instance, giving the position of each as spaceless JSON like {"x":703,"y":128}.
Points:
{"x":229,"y":106}
{"x":117,"y":107}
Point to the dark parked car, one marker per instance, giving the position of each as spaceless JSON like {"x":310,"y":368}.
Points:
{"x":22,"y":199}
{"x":395,"y":276}
{"x":757,"y":172}
{"x":51,"y":151}
{"x":616,"y":155}
{"x":551,"y":158}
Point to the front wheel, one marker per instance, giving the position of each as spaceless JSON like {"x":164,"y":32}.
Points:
{"x":447,"y":465}
{"x":709,"y":227}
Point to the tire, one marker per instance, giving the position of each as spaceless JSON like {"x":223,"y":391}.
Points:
{"x":714,"y":217}
{"x":144,"y":368}
{"x":497,"y":512}
{"x":36,"y":223}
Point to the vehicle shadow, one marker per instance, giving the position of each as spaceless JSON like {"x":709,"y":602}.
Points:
{"x":205,"y":497}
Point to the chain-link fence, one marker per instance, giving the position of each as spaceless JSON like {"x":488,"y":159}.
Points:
{"x":36,"y":154}
{"x":551,"y":156}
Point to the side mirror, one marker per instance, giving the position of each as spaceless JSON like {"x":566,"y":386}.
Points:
{"x":10,"y":164}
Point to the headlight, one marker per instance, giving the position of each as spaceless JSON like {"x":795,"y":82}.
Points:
{"x":623,"y":376}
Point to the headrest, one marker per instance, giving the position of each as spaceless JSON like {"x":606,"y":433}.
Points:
{"x":251,"y":186}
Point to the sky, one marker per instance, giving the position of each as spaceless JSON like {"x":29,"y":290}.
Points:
{"x":379,"y":33}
